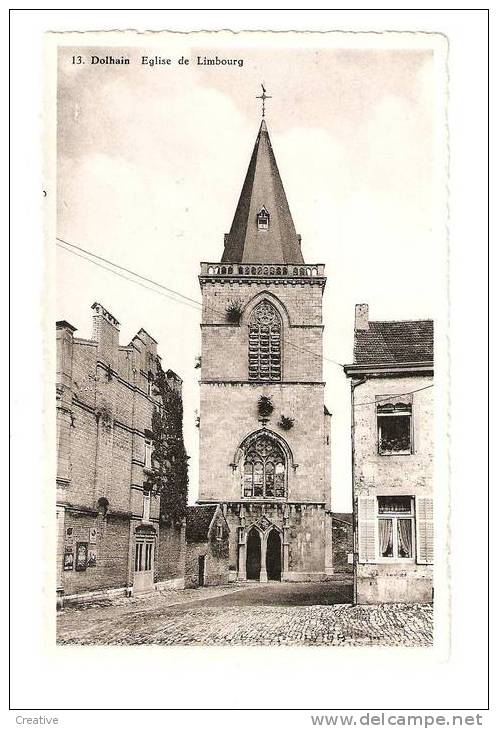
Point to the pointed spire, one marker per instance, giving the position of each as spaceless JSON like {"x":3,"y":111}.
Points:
{"x":262,"y":229}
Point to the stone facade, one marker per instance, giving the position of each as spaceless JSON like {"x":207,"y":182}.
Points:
{"x":108,"y":530}
{"x":342,"y":543}
{"x":271,"y":472}
{"x":207,"y":547}
{"x":393,"y":476}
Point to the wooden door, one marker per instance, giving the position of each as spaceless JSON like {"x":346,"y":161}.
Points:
{"x":202,"y":570}
{"x":143,"y":576}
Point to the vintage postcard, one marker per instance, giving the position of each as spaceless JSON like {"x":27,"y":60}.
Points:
{"x":247,"y":240}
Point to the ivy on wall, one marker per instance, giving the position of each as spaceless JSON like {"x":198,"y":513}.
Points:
{"x":169,"y":475}
{"x":265,"y":406}
{"x":219,"y":547}
{"x":234,"y":312}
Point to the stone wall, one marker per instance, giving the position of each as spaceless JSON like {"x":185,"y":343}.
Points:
{"x":342,"y":545}
{"x":394,"y":583}
{"x":170,"y":555}
{"x":300,"y":308}
{"x":302,"y":527}
{"x":216,"y":566}
{"x":400,"y":472}
{"x":228,"y":401}
{"x":229,"y":413}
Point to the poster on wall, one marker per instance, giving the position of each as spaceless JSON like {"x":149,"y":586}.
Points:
{"x":92,"y":535}
{"x":68,"y":559}
{"x":81,"y":556}
{"x":92,"y":558}
{"x":70,"y":535}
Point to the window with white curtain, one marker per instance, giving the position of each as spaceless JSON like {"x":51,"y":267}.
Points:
{"x":396,"y":527}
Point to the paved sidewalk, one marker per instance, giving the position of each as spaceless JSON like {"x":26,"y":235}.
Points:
{"x":249,"y":614}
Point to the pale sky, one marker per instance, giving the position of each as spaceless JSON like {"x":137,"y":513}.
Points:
{"x":151,"y":161}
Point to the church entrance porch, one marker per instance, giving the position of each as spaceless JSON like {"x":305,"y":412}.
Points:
{"x":263,"y":555}
{"x":274,"y":556}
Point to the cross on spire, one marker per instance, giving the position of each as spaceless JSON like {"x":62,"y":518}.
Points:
{"x":263,"y":98}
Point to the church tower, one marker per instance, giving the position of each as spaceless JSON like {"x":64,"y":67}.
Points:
{"x":264,"y":428}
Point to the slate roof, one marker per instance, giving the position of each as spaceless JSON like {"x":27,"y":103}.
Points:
{"x":199,"y":519}
{"x":343,"y":516}
{"x":395,"y":342}
{"x":262,"y":188}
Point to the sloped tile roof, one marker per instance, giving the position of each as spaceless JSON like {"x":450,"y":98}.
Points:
{"x":393,"y":342}
{"x":199,"y":519}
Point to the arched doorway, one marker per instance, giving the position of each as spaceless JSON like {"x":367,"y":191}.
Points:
{"x":253,"y":557}
{"x":274,"y":556}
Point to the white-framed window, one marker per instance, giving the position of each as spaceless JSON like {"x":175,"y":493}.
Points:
{"x":394,"y":427}
{"x":148,"y":454}
{"x":395,"y":528}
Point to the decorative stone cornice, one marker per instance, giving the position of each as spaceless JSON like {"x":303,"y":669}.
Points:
{"x":262,"y":273}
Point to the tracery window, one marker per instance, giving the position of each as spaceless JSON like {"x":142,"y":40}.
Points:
{"x":264,"y":473}
{"x":265,"y":343}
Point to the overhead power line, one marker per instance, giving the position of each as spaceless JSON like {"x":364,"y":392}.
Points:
{"x":184,"y":299}
{"x":179,"y":298}
{"x":127,"y":278}
{"x":389,"y":397}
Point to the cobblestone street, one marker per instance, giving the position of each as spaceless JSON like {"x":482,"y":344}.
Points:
{"x":273,"y":614}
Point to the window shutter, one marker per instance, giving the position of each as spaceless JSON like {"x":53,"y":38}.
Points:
{"x":425,"y":530}
{"x":366,"y":529}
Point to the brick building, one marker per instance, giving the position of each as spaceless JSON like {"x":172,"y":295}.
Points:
{"x":109,"y":533}
{"x":392,"y":439}
{"x":267,"y":461}
{"x":207,"y":551}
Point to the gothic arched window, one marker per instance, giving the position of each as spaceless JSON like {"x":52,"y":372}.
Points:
{"x":264,"y":473}
{"x":265,"y":343}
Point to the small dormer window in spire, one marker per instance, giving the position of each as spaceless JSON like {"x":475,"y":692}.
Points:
{"x":263,"y":219}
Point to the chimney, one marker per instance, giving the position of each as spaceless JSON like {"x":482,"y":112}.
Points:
{"x":65,"y":332}
{"x":105,"y":333}
{"x":361,"y":318}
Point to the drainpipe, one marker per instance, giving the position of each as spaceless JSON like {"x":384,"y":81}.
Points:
{"x":354,"y":385}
